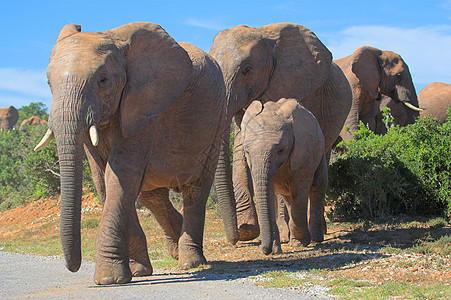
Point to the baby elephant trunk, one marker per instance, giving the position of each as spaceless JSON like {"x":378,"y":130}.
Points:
{"x":264,"y":192}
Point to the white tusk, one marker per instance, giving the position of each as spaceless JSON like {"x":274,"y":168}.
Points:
{"x":412,"y":107}
{"x":94,"y":135}
{"x":45,"y":140}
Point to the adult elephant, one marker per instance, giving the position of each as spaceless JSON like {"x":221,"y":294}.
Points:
{"x":372,"y":72}
{"x":435,"y":98}
{"x":276,"y":61}
{"x":149,"y":113}
{"x":8,"y":118}
{"x":34,"y":120}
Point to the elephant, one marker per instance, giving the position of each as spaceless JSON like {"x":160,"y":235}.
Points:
{"x":435,"y":98}
{"x":34,"y":120}
{"x":372,"y":72}
{"x":397,"y":110}
{"x":284,"y":149}
{"x":282,"y":60}
{"x":8,"y":118}
{"x":149,"y":113}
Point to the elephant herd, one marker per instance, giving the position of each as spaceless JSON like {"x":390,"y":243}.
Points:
{"x":153,"y":114}
{"x":9,"y":117}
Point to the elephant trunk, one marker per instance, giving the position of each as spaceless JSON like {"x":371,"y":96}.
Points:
{"x":352,"y":121}
{"x":264,"y":193}
{"x":69,"y":122}
{"x":70,"y":160}
{"x":224,"y":190}
{"x":408,"y":96}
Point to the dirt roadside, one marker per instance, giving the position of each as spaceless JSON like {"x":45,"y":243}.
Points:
{"x":411,"y":256}
{"x":38,"y":277}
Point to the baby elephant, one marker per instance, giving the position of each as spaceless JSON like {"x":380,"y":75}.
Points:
{"x":284,"y":148}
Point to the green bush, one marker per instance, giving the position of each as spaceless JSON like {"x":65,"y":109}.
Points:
{"x":406,"y":171}
{"x":24,"y":174}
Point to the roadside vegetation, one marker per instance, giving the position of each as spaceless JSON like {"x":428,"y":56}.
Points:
{"x":26,"y":175}
{"x":406,"y":171}
{"x":388,"y":212}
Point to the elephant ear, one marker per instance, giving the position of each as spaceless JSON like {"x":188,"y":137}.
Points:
{"x":68,"y":30}
{"x":158,"y":71}
{"x":308,"y":139}
{"x":254,"y":109}
{"x":302,"y":62}
{"x":365,"y":65}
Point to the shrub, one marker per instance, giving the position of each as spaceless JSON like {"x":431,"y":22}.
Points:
{"x":24,"y":174}
{"x":405,"y":171}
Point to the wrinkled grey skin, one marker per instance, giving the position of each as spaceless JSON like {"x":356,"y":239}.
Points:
{"x":372,"y":72}
{"x":159,"y":110}
{"x":284,"y":148}
{"x":276,"y":61}
{"x":8,"y":118}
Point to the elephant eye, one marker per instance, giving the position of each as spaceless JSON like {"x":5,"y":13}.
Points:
{"x":398,"y":77}
{"x":280,"y":151}
{"x":103,"y":81}
{"x":247,"y":71}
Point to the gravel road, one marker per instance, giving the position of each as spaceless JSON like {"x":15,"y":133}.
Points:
{"x":37,"y":277}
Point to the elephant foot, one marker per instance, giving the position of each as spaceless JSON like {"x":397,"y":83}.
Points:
{"x":112,"y":273}
{"x":299,"y":236}
{"x":295,"y":243}
{"x":173,"y":248}
{"x":247,"y":232}
{"x":247,"y":221}
{"x":139,"y":257}
{"x":318,"y":232}
{"x":139,"y":269}
{"x":317,"y":237}
{"x":284,"y":233}
{"x":191,"y":259}
{"x":276,"y":248}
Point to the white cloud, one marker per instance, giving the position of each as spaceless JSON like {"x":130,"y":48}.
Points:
{"x":206,"y":24}
{"x":29,"y":82}
{"x":20,"y":87}
{"x":425,"y":49}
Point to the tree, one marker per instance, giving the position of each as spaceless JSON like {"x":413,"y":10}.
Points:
{"x":38,"y":109}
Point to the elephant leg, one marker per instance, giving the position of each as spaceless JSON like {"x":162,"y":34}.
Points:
{"x":246,"y":213}
{"x":352,"y":120}
{"x":139,"y":257}
{"x":166,"y":215}
{"x":97,"y":166}
{"x":317,"y":195}
{"x":191,"y":240}
{"x":123,"y":178}
{"x":299,"y":232}
{"x":282,"y":219}
{"x":276,"y":246}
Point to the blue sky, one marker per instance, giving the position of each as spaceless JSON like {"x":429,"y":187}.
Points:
{"x":419,"y":30}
